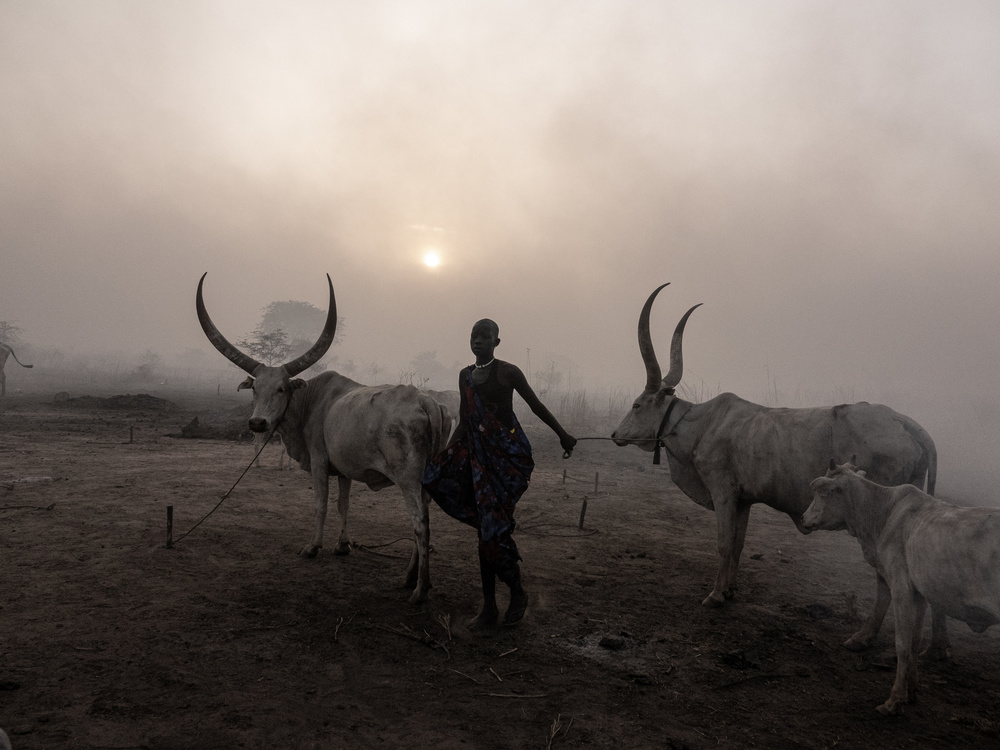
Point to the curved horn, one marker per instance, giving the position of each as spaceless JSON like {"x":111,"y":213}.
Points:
{"x":646,"y":343}
{"x":311,"y":357}
{"x":673,"y":377}
{"x":230,"y":352}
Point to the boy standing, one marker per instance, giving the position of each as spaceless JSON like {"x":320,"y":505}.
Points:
{"x":480,"y":476}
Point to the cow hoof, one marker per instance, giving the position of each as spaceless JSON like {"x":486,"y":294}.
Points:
{"x":715,"y":599}
{"x":936,"y":653}
{"x":344,"y":548}
{"x":889,"y":709}
{"x":854,"y":643}
{"x":418,"y":597}
{"x":309,"y":551}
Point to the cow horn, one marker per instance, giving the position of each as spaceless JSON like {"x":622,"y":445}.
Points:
{"x":311,"y":357}
{"x":230,"y":352}
{"x":673,"y":377}
{"x":646,"y":343}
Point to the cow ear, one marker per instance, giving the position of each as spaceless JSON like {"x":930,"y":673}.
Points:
{"x":820,"y":484}
{"x":297,"y":383}
{"x":248,"y":383}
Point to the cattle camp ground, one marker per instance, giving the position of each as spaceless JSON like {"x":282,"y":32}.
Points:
{"x":108,"y":639}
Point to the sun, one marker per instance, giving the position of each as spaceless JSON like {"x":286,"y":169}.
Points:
{"x":432,"y":259}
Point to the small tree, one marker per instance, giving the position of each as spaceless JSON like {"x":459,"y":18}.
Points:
{"x":266,"y":346}
{"x":149,"y":361}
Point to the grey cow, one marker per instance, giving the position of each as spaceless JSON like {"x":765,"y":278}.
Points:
{"x":727,"y":454}
{"x":929,"y":552}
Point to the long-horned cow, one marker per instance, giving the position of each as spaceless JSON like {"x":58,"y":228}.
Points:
{"x":727,"y":454}
{"x":6,"y":351}
{"x":333,"y":426}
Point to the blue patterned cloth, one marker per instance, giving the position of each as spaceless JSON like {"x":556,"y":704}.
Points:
{"x":479,"y":479}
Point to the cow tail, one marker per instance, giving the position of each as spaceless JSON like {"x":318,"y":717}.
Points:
{"x":927,"y":449}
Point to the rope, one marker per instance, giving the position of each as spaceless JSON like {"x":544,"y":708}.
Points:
{"x":578,"y":534}
{"x":370,"y":548}
{"x":256,"y":456}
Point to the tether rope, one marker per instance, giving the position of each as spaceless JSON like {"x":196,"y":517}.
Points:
{"x":252,"y":461}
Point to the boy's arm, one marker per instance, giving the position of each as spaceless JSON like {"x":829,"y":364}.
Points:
{"x":520,"y":384}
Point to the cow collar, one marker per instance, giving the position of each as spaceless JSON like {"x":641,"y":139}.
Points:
{"x":659,"y":432}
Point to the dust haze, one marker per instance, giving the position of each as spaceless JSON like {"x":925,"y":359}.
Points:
{"x":822,"y":176}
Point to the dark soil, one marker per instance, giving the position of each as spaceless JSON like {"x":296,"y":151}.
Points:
{"x":110,"y":640}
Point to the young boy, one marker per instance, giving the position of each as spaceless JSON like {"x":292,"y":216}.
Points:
{"x":483,"y":472}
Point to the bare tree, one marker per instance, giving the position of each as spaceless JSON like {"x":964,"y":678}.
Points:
{"x":10,"y":334}
{"x":267,"y":346}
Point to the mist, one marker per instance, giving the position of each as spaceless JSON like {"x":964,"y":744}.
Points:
{"x":822,"y":176}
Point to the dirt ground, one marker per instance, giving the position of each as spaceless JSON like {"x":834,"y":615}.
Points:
{"x":108,"y":639}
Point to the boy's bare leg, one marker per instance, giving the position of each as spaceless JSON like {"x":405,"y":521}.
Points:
{"x":488,"y":616}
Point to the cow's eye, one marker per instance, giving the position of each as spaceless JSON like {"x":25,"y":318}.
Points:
{"x":635,"y":405}
{"x":281,"y":390}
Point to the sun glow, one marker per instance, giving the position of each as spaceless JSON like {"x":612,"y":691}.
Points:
{"x":432,"y":259}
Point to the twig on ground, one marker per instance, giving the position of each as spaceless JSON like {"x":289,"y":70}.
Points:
{"x":514,"y":695}
{"x":507,"y":653}
{"x":468,"y":677}
{"x":425,"y":639}
{"x":554,"y":730}
{"x":445,"y":622}
{"x":766,"y":676}
{"x":499,"y":678}
{"x":27,"y":507}
{"x":340,"y":624}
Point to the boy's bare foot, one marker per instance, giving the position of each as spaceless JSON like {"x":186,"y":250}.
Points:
{"x":487,"y":618}
{"x":518,"y":603}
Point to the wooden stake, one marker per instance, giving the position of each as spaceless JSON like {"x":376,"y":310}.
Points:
{"x":596,"y":475}
{"x":583,"y":512}
{"x":564,"y":476}
{"x":170,"y":526}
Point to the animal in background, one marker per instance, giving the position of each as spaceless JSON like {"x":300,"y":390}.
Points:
{"x":6,"y":351}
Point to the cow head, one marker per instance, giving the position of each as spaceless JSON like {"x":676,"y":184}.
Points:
{"x":641,"y":425}
{"x":829,"y":508}
{"x":272,"y":386}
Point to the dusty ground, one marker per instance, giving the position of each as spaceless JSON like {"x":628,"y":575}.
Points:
{"x":110,"y":640}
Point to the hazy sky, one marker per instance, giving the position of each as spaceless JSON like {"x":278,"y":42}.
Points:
{"x":823,"y":176}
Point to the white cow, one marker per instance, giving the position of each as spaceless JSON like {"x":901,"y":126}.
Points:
{"x":929,"y":552}
{"x":333,"y":426}
{"x":6,"y":351}
{"x":727,"y":454}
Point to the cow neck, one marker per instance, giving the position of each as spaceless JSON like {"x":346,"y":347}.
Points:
{"x":659,"y":432}
{"x":281,"y":417}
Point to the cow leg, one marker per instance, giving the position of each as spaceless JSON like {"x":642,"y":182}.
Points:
{"x":344,"y":540}
{"x":865,"y":637}
{"x":919,"y":609}
{"x":904,"y":612}
{"x":419,"y":571}
{"x":320,"y":489}
{"x":939,"y":648}
{"x":739,"y":537}
{"x":726,"y":524}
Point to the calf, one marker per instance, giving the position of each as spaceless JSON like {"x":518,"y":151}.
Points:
{"x":927,"y":550}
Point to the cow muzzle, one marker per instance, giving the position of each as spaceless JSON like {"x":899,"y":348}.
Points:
{"x":258,"y":424}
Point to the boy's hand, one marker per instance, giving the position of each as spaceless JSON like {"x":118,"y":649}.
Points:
{"x":568,"y":443}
